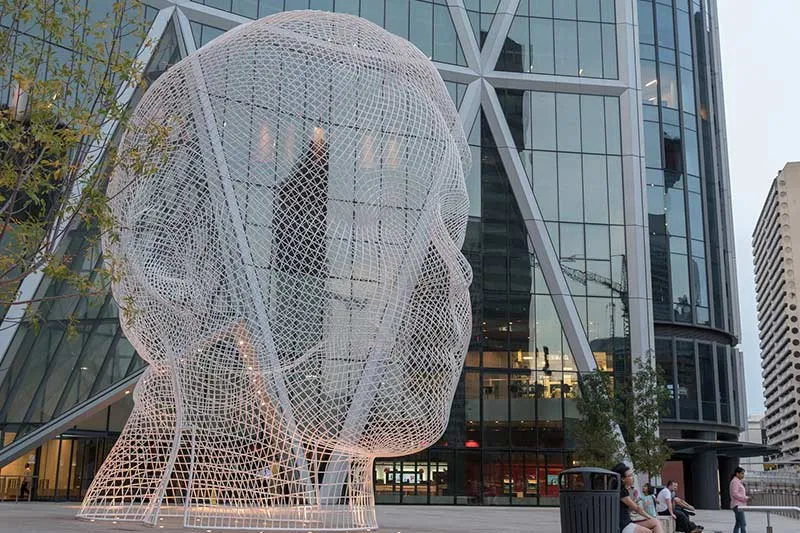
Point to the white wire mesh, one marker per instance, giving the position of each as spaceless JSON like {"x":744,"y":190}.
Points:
{"x":292,"y":254}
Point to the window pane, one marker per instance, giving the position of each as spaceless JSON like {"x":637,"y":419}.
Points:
{"x":687,"y":91}
{"x":668,"y":84}
{"x":514,"y":56}
{"x":397,"y":17}
{"x":541,"y":8}
{"x":590,"y":50}
{"x":542,"y":55}
{"x":687,"y":380}
{"x":545,"y":183}
{"x":467,"y":488}
{"x":665,"y":363}
{"x":708,"y":389}
{"x":666,"y":32}
{"x":543,"y":112}
{"x":649,"y":82}
{"x":565,"y":9}
{"x":374,"y":11}
{"x":696,"y":215}
{"x":246,"y":8}
{"x":572,"y":244}
{"x":595,"y":189}
{"x":684,"y":32}
{"x":589,"y":10}
{"x":652,"y":144}
{"x":613,"y":134}
{"x":592,"y":117}
{"x":568,"y":122}
{"x":692,"y":156}
{"x":676,"y":212}
{"x":679,"y":269}
{"x":616,"y":210}
{"x":570,"y":185}
{"x":566,"y":50}
{"x":722,"y":380}
{"x":610,"y":51}
{"x":597,"y":243}
{"x":496,"y":479}
{"x":420,"y":26}
{"x":523,"y":410}
{"x":646,"y":33}
{"x":495,"y":409}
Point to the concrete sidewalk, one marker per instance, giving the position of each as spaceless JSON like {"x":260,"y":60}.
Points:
{"x":41,"y":517}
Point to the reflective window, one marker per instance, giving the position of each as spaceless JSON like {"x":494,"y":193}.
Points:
{"x":687,"y":380}
{"x":646,"y":32}
{"x":664,"y":25}
{"x":542,"y":46}
{"x":545,"y":183}
{"x":567,"y":38}
{"x":590,"y":50}
{"x":566,"y":47}
{"x":568,"y":124}
{"x":595,"y":189}
{"x":724,"y":387}
{"x":570,"y":183}
{"x":668,"y":85}
{"x":679,"y":277}
{"x":708,"y":389}
{"x":664,"y":360}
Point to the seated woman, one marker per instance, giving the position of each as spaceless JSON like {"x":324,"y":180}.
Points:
{"x":626,"y":505}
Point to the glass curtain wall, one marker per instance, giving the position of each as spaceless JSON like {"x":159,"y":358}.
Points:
{"x":686,"y":207}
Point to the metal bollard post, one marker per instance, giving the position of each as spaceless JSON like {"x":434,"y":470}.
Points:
{"x":769,"y":525}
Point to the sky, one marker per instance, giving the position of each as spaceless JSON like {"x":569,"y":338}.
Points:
{"x":759,"y":43}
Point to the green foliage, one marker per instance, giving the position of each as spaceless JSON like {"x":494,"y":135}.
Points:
{"x":597,"y":442}
{"x":636,"y":405}
{"x":642,"y":404}
{"x":65,"y":62}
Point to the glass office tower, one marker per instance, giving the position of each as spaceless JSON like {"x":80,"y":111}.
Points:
{"x":572,"y":201}
{"x":695,"y":306}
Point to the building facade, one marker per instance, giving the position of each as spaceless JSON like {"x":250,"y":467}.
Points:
{"x":599,"y":229}
{"x":773,"y":259}
{"x":754,"y":433}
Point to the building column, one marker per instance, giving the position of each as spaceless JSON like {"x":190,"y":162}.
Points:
{"x":704,"y":480}
{"x":726,"y":467}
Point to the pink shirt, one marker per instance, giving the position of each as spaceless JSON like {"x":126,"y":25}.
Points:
{"x":738,"y":494}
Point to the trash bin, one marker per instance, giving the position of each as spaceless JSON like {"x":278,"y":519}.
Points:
{"x":589,"y":499}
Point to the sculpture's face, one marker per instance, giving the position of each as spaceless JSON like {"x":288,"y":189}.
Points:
{"x":303,"y":227}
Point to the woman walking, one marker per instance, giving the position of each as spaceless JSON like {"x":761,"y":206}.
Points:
{"x":738,"y":497}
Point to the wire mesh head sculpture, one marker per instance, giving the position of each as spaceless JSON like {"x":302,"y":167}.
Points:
{"x":291,"y":247}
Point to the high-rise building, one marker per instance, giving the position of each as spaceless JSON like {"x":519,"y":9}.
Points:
{"x":600,"y":228}
{"x":754,"y":433}
{"x":777,"y":232}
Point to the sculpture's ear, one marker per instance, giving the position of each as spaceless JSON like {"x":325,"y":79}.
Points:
{"x":169,"y":237}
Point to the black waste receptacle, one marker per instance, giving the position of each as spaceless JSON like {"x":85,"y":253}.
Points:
{"x":589,"y":499}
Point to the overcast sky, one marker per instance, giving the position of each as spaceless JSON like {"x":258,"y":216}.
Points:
{"x":760,"y":41}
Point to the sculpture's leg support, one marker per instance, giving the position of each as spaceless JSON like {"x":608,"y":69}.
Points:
{"x":349,"y":502}
{"x":127,"y":485}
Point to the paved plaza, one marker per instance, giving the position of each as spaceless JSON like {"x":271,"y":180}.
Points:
{"x":57,"y":517}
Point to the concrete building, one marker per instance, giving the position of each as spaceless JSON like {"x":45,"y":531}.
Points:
{"x":754,"y":433}
{"x":600,"y":228}
{"x":775,"y":237}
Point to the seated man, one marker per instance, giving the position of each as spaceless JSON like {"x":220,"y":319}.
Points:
{"x":665,"y":506}
{"x":682,"y":506}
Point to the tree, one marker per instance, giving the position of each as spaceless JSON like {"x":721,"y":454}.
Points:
{"x":596,"y":441}
{"x":61,"y":66}
{"x":636,"y":405}
{"x":643,"y":402}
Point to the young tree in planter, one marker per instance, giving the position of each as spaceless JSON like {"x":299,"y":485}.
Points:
{"x":61,"y":67}
{"x":597,"y":443}
{"x":641,"y":406}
